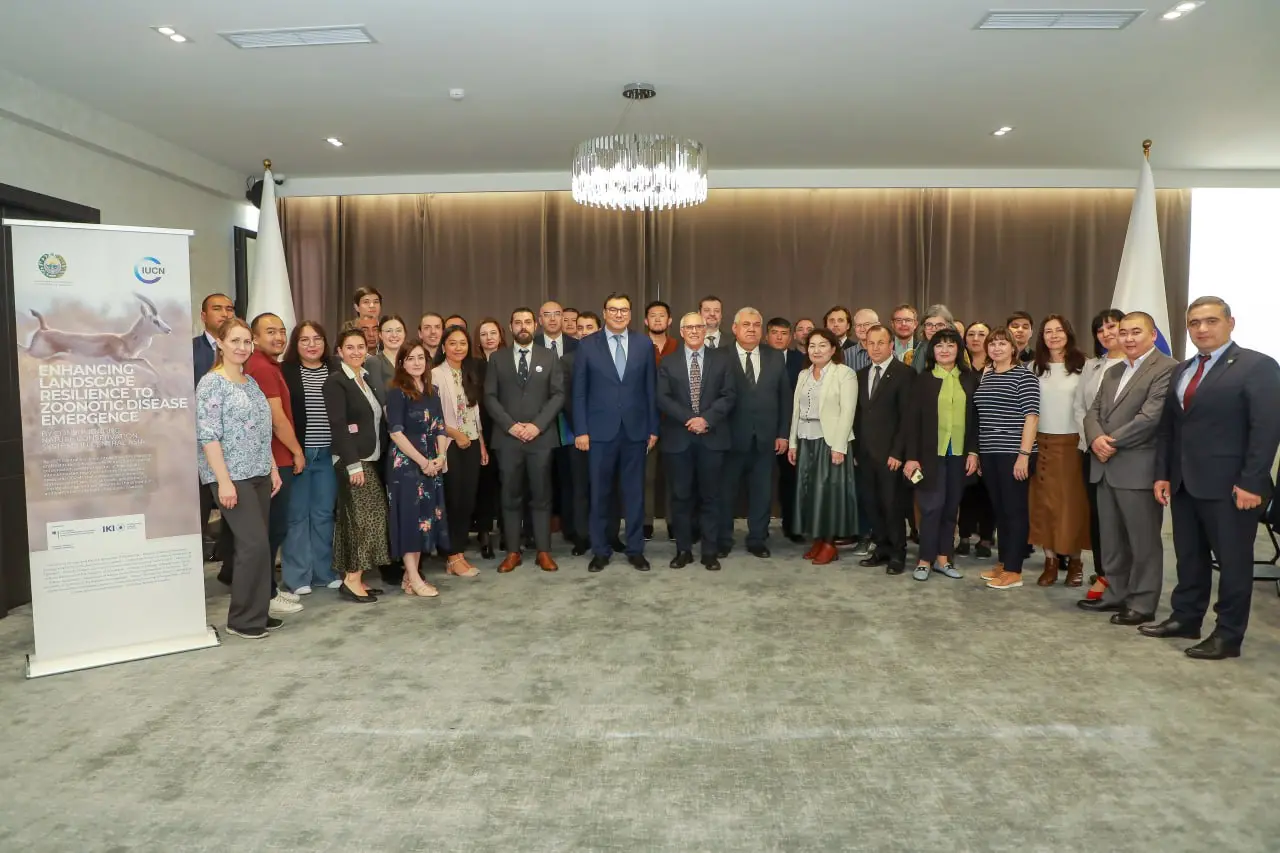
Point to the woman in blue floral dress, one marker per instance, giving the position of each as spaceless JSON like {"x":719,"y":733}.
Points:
{"x":415,"y":486}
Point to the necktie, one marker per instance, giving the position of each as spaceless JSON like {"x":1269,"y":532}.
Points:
{"x":619,"y":356}
{"x":751,"y":371}
{"x":711,"y":341}
{"x":555,"y":348}
{"x":523,"y":369}
{"x":1189,"y":394}
{"x":875,"y":380}
{"x":695,"y":382}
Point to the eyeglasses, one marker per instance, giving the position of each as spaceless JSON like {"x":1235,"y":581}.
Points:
{"x":904,"y":319}
{"x":617,"y":311}
{"x":552,"y":313}
{"x":701,"y":328}
{"x":935,"y":327}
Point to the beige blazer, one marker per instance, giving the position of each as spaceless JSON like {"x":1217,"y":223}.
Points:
{"x":836,"y":405}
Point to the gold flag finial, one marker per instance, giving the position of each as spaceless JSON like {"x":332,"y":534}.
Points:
{"x":266,"y":164}
{"x":1146,"y":148}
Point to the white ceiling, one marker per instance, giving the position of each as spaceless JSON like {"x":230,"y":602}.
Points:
{"x":763,"y":83}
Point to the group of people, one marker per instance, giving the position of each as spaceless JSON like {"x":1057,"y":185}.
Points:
{"x":378,"y":448}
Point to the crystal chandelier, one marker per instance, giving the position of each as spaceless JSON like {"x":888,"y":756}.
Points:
{"x":640,"y":171}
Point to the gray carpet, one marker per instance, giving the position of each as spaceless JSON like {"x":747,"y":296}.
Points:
{"x":774,"y":706}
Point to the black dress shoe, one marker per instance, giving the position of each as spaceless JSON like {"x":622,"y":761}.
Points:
{"x":895,"y":568}
{"x":871,"y":561}
{"x":347,"y":594}
{"x":982,"y":551}
{"x":1214,"y":648}
{"x":486,"y":551}
{"x":580,"y":548}
{"x":682,"y":559}
{"x":597,"y":563}
{"x":759,"y":551}
{"x":795,"y":537}
{"x":1132,"y":617}
{"x":712,"y":564}
{"x":638,"y":562}
{"x":1171,"y":628}
{"x":648,"y":532}
{"x":1099,"y":606}
{"x":724,"y":552}
{"x":962,"y":548}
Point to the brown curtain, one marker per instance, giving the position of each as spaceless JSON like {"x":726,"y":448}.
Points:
{"x":982,"y":252}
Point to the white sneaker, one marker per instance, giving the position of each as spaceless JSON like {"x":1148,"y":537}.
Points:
{"x":302,"y":590}
{"x":280,"y":604}
{"x":334,"y":584}
{"x":291,"y":597}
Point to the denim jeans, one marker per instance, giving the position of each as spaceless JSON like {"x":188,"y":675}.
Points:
{"x":307,"y":559}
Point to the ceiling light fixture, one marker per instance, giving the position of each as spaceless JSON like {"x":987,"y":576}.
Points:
{"x":178,"y":37}
{"x":639,"y":171}
{"x":171,"y":34}
{"x":1181,"y":10}
{"x":1001,"y":131}
{"x":166,"y":31}
{"x":334,"y":141}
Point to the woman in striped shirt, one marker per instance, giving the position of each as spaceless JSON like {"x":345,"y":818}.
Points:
{"x":1008,"y":403}
{"x":307,"y":556}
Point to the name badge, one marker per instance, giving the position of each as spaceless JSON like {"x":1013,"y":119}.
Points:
{"x":353,"y":428}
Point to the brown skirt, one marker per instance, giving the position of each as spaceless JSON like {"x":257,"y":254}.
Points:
{"x":1059,"y":502}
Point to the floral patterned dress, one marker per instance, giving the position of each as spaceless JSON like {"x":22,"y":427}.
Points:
{"x":417,"y":516}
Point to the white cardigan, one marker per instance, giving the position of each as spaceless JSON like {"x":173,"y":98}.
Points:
{"x":836,"y":405}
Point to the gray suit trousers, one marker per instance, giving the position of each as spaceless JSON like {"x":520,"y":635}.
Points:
{"x":1132,"y":551}
{"x":517,"y":466}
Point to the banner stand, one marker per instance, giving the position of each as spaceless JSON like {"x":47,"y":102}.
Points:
{"x":89,"y":660}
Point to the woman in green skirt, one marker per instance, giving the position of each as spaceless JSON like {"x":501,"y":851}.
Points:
{"x":821,"y":429}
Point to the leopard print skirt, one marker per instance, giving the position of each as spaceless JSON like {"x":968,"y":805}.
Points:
{"x":360,"y":523}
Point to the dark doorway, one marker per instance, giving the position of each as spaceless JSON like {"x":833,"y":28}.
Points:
{"x":15,"y":574}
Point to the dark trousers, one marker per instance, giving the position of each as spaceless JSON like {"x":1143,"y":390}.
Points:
{"x":868,"y":515}
{"x":1009,"y":502}
{"x":622,"y":459}
{"x":756,"y":466}
{"x":976,"y":516}
{"x":526,"y":471}
{"x":277,"y":530}
{"x":207,"y":502}
{"x":460,"y":484}
{"x":695,"y":474}
{"x":939,"y":501}
{"x":580,"y":471}
{"x":488,"y":499}
{"x":886,"y":493}
{"x":250,"y":585}
{"x":561,"y":473}
{"x":1202,"y":527}
{"x":787,"y":494}
{"x":1095,"y":530}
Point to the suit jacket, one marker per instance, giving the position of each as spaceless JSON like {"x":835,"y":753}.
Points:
{"x":1229,"y":435}
{"x":351,"y":419}
{"x":537,"y":401}
{"x":1132,"y":419}
{"x":920,"y":428}
{"x":795,"y":364}
{"x":605,"y":406}
{"x":878,"y":423}
{"x":201,"y":355}
{"x":567,"y":343}
{"x":836,"y":406}
{"x":715,"y":403}
{"x":761,"y":414}
{"x":381,"y":371}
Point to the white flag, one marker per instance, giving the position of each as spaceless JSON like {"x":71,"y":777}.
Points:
{"x":1140,"y":282}
{"x":269,"y":291}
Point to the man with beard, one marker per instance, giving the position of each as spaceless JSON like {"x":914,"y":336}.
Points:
{"x":523,"y":394}
{"x":712,"y":309}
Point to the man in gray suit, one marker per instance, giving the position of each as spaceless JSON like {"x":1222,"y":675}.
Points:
{"x":523,"y":393}
{"x":1121,"y":427}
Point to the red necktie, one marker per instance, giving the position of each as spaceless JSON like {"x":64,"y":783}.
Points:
{"x":1189,"y":394}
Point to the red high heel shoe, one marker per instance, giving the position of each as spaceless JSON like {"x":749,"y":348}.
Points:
{"x":1094,"y":596}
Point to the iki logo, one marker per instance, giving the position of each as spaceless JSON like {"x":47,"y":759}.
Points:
{"x":148,"y":270}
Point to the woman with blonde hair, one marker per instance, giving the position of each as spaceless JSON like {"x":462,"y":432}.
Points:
{"x":233,"y":433}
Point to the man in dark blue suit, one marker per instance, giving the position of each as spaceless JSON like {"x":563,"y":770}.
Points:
{"x":214,"y":310}
{"x":781,"y":338}
{"x":1214,"y":451}
{"x":615,"y":420}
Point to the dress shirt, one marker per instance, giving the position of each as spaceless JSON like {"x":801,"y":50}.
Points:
{"x":213,"y":342}
{"x":1185,"y":379}
{"x":1131,"y":367}
{"x":713,"y":338}
{"x":613,"y":345}
{"x":515,"y":356}
{"x":872,"y":382}
{"x":743,"y":356}
{"x":702,"y":358}
{"x":559,"y":343}
{"x":810,"y":421}
{"x":900,"y":349}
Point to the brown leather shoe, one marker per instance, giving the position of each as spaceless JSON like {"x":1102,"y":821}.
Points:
{"x":826,"y":554}
{"x":1075,"y":572}
{"x":545,"y":562}
{"x":513,"y":559}
{"x":1050,"y":574}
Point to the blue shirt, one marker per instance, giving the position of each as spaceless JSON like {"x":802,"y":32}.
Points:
{"x":613,"y":344}
{"x":1187,"y":374}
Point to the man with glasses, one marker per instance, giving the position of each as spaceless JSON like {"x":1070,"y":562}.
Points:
{"x":616,"y":423}
{"x":904,"y":331}
{"x":856,"y":355}
{"x":551,"y":335}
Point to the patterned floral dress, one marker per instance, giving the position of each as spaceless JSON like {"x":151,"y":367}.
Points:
{"x":417,"y":517}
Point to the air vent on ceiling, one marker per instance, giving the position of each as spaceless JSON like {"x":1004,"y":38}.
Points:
{"x":1060,"y":19}
{"x":298,"y":37}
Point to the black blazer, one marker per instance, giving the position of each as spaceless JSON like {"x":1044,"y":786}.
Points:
{"x":536,"y":402}
{"x":920,"y":440}
{"x":570,"y":344}
{"x":292,"y":371}
{"x":715,"y":404}
{"x":795,"y":366}
{"x":761,"y":414}
{"x":201,"y":355}
{"x":348,"y":408}
{"x":1229,"y":435}
{"x":878,"y":421}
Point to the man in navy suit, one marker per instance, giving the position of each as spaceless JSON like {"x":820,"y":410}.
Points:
{"x":1214,"y":451}
{"x":214,"y":310}
{"x":615,"y":420}
{"x":781,"y":338}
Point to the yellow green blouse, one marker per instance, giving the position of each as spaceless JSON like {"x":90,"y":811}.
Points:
{"x":952,"y":402}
